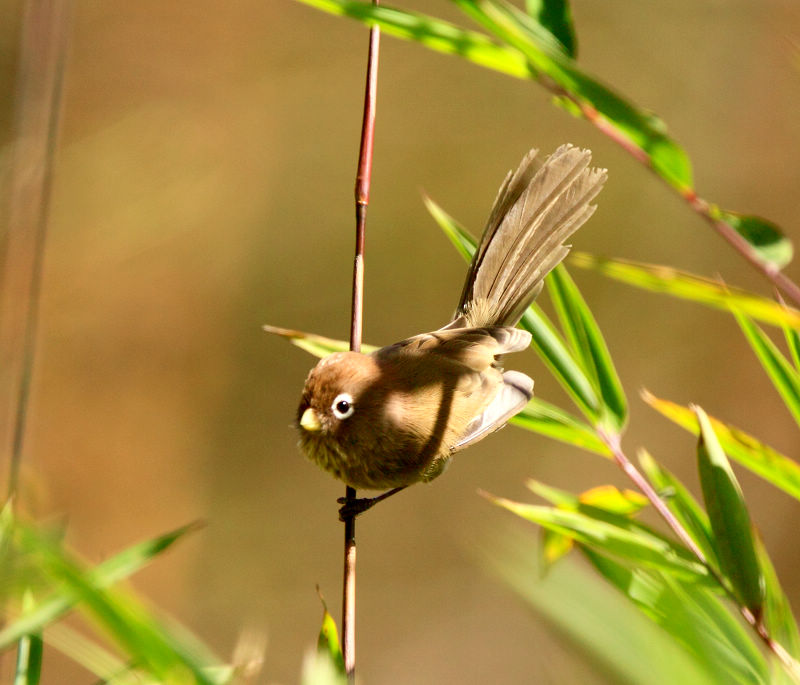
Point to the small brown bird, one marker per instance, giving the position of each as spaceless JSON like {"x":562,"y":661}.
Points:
{"x":396,"y":416}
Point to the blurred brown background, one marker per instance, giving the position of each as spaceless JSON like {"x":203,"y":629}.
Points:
{"x":203,"y":187}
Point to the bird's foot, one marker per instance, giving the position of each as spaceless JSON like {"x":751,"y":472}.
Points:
{"x":353,"y":507}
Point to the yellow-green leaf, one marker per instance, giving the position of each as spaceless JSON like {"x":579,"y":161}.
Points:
{"x":688,"y":286}
{"x":761,"y":459}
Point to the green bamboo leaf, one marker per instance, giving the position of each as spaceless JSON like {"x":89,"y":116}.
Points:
{"x":681,"y":503}
{"x":328,"y":640}
{"x":623,"y":538}
{"x":771,"y":465}
{"x":111,"y":571}
{"x":764,"y":236}
{"x":607,"y":498}
{"x":545,"y":339}
{"x":783,"y":375}
{"x":547,"y":419}
{"x":693,"y":616}
{"x":729,"y":518}
{"x":553,"y":351}
{"x":556,"y":17}
{"x":588,"y":345}
{"x":690,"y":287}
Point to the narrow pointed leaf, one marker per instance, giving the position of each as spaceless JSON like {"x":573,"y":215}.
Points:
{"x":316,"y":345}
{"x":780,"y":370}
{"x":682,"y":504}
{"x":547,"y":419}
{"x":545,"y":339}
{"x":729,"y":518}
{"x":625,"y":541}
{"x":761,"y":459}
{"x":688,"y":286}
{"x":587,"y":342}
{"x":793,"y":342}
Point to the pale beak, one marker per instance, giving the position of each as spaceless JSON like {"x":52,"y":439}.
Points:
{"x":310,"y":421}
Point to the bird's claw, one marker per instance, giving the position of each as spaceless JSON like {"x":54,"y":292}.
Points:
{"x":353,"y":507}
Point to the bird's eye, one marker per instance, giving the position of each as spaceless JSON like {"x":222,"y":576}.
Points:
{"x":343,"y":406}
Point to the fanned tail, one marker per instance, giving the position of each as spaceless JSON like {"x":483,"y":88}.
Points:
{"x":537,"y":208}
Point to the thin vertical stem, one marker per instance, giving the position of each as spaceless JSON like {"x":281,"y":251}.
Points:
{"x":38,"y":96}
{"x":363,"y":178}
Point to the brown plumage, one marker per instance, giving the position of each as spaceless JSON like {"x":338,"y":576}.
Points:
{"x":396,"y":416}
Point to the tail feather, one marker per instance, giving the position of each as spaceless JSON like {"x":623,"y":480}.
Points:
{"x":537,"y":208}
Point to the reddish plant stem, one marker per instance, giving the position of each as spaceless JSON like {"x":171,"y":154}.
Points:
{"x":362,"y":187}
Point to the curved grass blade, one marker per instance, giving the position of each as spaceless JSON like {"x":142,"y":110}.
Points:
{"x":783,"y":375}
{"x":588,"y":345}
{"x":545,"y":339}
{"x":771,"y":465}
{"x":729,"y":518}
{"x":688,"y":286}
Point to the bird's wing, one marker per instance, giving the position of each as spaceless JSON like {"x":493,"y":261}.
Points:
{"x":517,"y":389}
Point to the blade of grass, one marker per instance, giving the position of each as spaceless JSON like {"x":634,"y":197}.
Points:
{"x":588,"y":345}
{"x":780,"y":370}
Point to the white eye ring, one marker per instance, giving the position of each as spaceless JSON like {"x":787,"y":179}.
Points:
{"x":342,"y":406}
